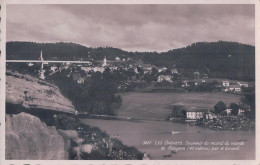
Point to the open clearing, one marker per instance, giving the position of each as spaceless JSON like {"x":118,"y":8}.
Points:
{"x":156,"y":106}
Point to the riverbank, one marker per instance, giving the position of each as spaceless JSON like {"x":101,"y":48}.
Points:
{"x":239,"y":122}
{"x":134,"y":134}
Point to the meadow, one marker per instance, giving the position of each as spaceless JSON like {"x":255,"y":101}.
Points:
{"x":157,"y":106}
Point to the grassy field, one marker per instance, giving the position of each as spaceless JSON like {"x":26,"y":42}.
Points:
{"x":156,"y":106}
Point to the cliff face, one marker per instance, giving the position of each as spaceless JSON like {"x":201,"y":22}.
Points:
{"x":31,"y":92}
{"x":29,"y":138}
{"x":27,"y":135}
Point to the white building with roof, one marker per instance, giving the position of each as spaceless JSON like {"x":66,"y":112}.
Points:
{"x":162,"y":69}
{"x":242,"y":84}
{"x":162,"y":78}
{"x":174,"y":71}
{"x":117,"y":59}
{"x":194,"y":113}
{"x":235,"y":88}
{"x":53,"y":68}
{"x":30,"y":64}
{"x":225,"y":83}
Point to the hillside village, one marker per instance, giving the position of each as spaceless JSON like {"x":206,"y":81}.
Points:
{"x":136,"y":73}
{"x":204,"y":59}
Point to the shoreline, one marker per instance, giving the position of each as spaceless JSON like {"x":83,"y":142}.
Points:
{"x":181,"y":121}
{"x":212,"y":127}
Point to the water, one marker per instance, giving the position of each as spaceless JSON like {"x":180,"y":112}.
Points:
{"x":151,"y":107}
{"x":134,"y":133}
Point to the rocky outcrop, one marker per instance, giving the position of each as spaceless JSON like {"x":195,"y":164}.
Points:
{"x":31,"y":92}
{"x":27,"y":137}
{"x":41,"y":125}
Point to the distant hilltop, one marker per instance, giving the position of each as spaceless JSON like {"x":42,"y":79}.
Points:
{"x":220,"y":59}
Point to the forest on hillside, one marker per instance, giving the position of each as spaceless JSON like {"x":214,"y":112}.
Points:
{"x":219,"y":59}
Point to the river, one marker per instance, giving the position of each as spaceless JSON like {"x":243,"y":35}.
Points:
{"x":134,"y":133}
{"x":153,"y":127}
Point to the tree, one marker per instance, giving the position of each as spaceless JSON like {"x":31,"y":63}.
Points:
{"x":249,"y":100}
{"x":107,"y":75}
{"x":219,"y":107}
{"x":154,"y":71}
{"x":234,"y":108}
{"x":183,"y":113}
{"x":140,"y":70}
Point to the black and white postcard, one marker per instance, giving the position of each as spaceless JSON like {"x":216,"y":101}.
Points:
{"x":166,"y":82}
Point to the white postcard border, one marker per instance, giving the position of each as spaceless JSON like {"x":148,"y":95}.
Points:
{"x":74,"y":162}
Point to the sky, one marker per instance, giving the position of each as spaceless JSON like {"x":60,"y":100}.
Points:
{"x":132,"y":27}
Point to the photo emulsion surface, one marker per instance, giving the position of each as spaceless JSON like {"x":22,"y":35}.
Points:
{"x":130,"y":82}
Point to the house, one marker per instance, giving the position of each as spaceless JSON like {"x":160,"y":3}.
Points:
{"x":53,"y":68}
{"x":185,"y":83}
{"x":147,"y":70}
{"x":197,"y":82}
{"x":226,"y":90}
{"x":162,"y":78}
{"x":225,"y":83}
{"x":117,"y":59}
{"x":81,"y":80}
{"x":228,"y":111}
{"x":86,"y":69}
{"x":235,"y":88}
{"x":30,"y":64}
{"x":174,"y":71}
{"x":113,"y":68}
{"x":209,"y":115}
{"x":241,"y":111}
{"x":162,"y":69}
{"x":242,"y":84}
{"x":98,"y":69}
{"x":194,"y":113}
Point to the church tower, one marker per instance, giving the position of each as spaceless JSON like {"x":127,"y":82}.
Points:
{"x":42,"y":71}
{"x":41,"y":56}
{"x":105,"y":62}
